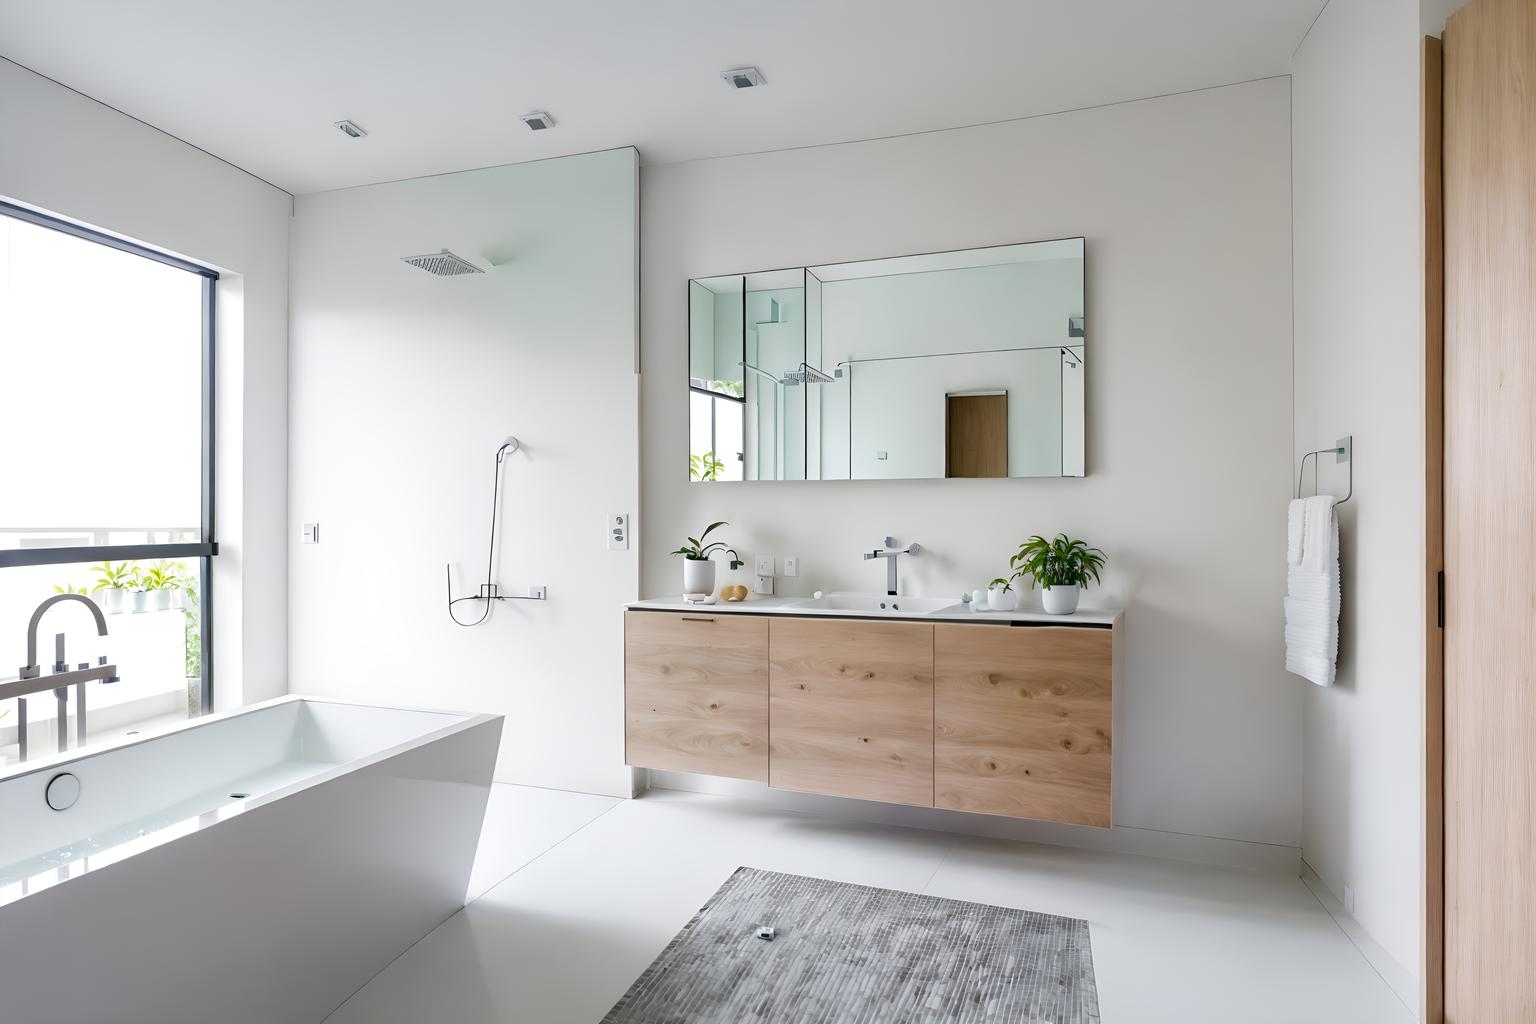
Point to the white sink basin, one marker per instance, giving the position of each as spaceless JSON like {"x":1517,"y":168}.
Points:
{"x":878,"y":604}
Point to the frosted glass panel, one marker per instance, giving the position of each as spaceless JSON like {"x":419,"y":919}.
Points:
{"x":101,"y":354}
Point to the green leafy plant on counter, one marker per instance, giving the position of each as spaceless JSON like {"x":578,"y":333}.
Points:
{"x":69,"y":588}
{"x":704,"y":467}
{"x":698,"y":551}
{"x":1005,"y":584}
{"x":1060,"y":562}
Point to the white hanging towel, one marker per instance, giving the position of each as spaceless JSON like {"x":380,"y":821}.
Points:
{"x":1312,"y":589}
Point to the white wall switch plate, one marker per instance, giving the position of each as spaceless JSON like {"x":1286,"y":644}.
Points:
{"x":764,"y":586}
{"x":765,"y":566}
{"x":791,"y":565}
{"x":618,"y":531}
{"x":310,"y":534}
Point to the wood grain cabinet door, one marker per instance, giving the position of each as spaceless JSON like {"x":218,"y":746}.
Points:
{"x":696,"y":693}
{"x":852,"y":708}
{"x":1022,"y":721}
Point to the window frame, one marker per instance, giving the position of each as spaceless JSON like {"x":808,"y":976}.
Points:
{"x":204,"y":550}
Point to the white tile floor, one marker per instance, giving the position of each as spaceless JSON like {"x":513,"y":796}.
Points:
{"x":577,"y":894}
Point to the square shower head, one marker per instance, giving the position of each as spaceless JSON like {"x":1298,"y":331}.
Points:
{"x":443,"y":264}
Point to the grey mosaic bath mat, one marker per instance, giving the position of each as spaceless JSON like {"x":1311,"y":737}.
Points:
{"x":851,"y":954}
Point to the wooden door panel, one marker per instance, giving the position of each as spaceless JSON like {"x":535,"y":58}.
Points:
{"x":976,"y":435}
{"x":1023,"y":721}
{"x":1489,"y":183}
{"x":852,"y":708}
{"x":696,"y":693}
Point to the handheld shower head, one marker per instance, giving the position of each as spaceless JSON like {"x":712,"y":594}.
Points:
{"x":510,"y":445}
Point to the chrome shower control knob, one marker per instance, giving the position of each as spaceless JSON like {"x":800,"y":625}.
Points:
{"x":62,"y":791}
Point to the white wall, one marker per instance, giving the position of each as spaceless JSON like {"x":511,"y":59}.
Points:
{"x":68,"y":155}
{"x":1358,"y":301}
{"x":403,"y":386}
{"x":1185,"y":203}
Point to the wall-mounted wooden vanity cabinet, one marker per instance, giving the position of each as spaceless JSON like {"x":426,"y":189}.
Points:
{"x":990,"y":717}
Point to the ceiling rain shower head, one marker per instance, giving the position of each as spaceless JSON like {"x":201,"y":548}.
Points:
{"x":443,"y":264}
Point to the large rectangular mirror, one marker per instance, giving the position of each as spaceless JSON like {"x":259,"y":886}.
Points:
{"x":955,"y":364}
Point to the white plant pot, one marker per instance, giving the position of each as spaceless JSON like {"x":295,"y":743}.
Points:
{"x":1000,"y":600}
{"x":138,"y":600}
{"x":698,"y":576}
{"x":112,"y":601}
{"x":1060,"y":599}
{"x":159,"y":600}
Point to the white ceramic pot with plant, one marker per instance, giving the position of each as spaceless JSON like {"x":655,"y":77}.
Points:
{"x":162,"y":582}
{"x":112,"y":583}
{"x":1001,"y":597}
{"x":698,"y":570}
{"x":1062,"y":567}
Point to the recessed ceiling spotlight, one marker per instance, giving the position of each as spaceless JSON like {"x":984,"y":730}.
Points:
{"x":350,"y":130}
{"x":538,"y":120}
{"x":743,"y":78}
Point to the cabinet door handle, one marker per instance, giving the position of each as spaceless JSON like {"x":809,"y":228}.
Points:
{"x":697,"y":618}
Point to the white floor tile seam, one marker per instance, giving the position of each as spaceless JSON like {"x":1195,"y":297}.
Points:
{"x":486,"y":892}
{"x":1358,"y":949}
{"x":551,"y":847}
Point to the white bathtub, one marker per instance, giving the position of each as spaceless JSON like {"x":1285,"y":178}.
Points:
{"x":257,"y":866}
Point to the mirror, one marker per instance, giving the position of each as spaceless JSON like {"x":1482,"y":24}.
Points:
{"x":955,"y":364}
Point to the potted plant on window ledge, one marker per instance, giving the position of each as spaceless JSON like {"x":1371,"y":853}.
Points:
{"x":698,"y":570}
{"x":161,"y":583}
{"x":113,"y":583}
{"x":1062,"y":567}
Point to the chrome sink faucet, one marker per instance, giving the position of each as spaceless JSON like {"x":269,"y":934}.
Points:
{"x":890,"y":553}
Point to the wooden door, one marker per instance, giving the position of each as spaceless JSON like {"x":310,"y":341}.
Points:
{"x":976,"y":435}
{"x":1490,"y":512}
{"x":852,"y":708}
{"x":1023,"y":720}
{"x":696,"y":693}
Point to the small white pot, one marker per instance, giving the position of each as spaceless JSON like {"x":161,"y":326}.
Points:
{"x":698,"y":576}
{"x":112,"y":601}
{"x":1061,"y":599}
{"x":159,"y":600}
{"x":1000,"y":600}
{"x":138,"y":600}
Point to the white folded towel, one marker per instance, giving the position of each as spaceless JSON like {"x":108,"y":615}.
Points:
{"x":1312,"y":589}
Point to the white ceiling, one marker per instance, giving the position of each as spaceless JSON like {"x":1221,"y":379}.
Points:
{"x":438,"y":84}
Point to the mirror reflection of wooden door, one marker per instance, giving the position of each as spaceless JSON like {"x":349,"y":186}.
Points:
{"x":1489,"y":163}
{"x":976,"y":434}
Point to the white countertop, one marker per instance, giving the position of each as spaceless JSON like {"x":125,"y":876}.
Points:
{"x":755,"y":605}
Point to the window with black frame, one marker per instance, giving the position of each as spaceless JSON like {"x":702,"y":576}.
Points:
{"x":106,"y":485}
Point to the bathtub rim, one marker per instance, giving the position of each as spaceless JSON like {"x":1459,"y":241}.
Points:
{"x":56,"y":760}
{"x":459,"y":722}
